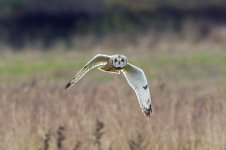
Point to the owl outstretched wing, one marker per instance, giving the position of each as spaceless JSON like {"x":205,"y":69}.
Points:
{"x":137,"y":80}
{"x":98,"y":60}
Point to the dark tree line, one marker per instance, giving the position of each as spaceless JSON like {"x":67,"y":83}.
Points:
{"x":54,"y":7}
{"x":24,"y":21}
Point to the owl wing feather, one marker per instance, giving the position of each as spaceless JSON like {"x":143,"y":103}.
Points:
{"x":137,"y":80}
{"x":98,"y":60}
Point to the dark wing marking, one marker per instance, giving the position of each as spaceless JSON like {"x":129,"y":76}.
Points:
{"x":145,"y":87}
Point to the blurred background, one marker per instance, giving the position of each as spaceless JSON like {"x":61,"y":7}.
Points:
{"x":180,"y":45}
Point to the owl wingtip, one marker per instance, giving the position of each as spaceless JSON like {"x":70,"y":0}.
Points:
{"x":68,"y":85}
{"x":147,"y":112}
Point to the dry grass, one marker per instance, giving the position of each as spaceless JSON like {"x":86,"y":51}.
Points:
{"x":48,"y":118}
{"x":188,"y":93}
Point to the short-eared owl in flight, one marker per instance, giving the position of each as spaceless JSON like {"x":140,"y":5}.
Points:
{"x":116,"y":64}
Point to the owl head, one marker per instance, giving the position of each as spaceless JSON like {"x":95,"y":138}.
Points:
{"x":119,"y":61}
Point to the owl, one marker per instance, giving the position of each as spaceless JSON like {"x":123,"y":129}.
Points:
{"x":117,"y":64}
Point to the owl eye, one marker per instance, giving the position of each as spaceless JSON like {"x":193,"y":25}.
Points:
{"x":122,"y":60}
{"x":116,"y":60}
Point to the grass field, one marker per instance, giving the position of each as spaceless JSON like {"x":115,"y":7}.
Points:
{"x":101,"y":111}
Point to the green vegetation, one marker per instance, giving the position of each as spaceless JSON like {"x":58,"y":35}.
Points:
{"x":201,"y":65}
